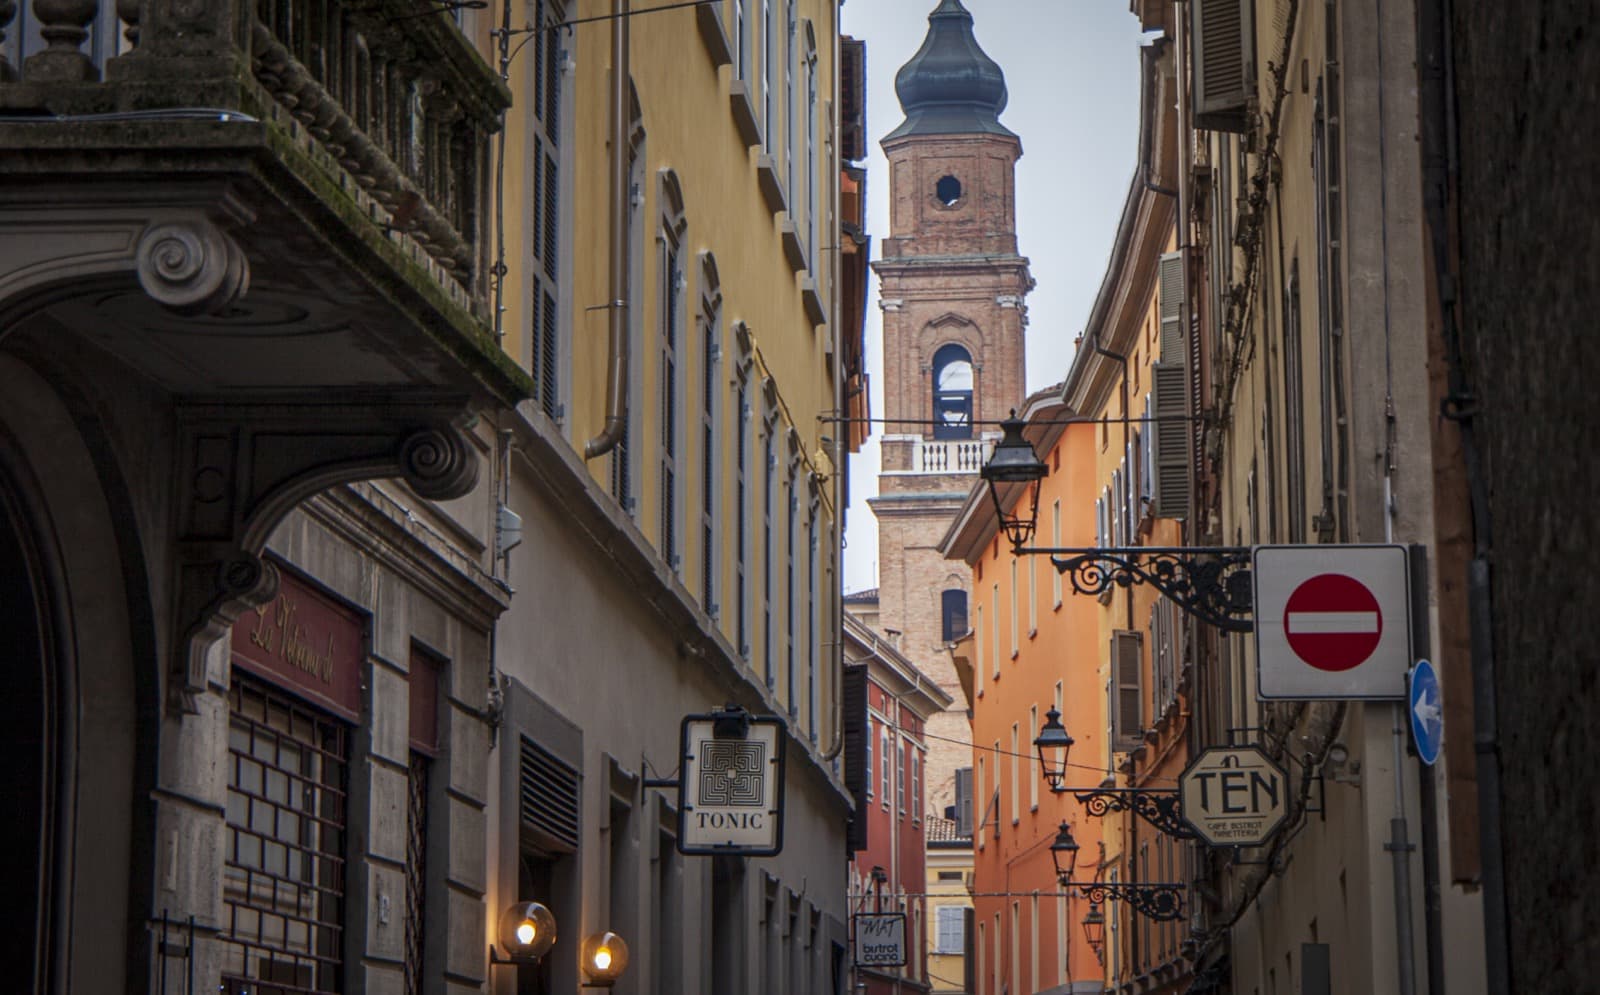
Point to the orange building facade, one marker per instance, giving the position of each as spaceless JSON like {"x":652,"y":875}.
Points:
{"x":1113,"y":663}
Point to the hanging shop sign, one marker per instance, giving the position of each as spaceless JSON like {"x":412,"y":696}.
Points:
{"x":730,"y":791}
{"x":1332,"y":621}
{"x":1234,"y":796}
{"x":880,"y":939}
{"x":306,"y":641}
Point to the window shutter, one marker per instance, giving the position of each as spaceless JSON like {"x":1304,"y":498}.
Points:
{"x":1147,"y":456}
{"x":1127,"y":715}
{"x":1171,"y":307}
{"x":853,"y":701}
{"x":1223,"y":32}
{"x":1171,"y":441}
{"x":964,"y":802}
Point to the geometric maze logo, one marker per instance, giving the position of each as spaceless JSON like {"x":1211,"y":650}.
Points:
{"x":731,"y":772}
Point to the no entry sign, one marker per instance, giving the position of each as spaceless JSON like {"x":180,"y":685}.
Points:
{"x":1332,"y":621}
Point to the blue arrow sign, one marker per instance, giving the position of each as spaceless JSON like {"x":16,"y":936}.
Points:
{"x":1427,"y":712}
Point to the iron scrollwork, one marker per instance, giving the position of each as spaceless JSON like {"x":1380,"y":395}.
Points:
{"x":1212,"y":584}
{"x":1157,"y":902}
{"x":1159,"y":808}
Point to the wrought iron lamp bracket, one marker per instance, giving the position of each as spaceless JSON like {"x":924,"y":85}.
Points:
{"x":1161,"y":809}
{"x":1211,"y":583}
{"x":1157,"y":902}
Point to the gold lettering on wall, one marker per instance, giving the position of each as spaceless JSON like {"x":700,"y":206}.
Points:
{"x":276,"y":623}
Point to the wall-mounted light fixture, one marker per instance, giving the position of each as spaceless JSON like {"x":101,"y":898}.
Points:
{"x":1211,"y":583}
{"x":527,"y":932}
{"x":1162,"y":809}
{"x":1159,"y":902}
{"x":605,"y":957}
{"x":1094,"y":931}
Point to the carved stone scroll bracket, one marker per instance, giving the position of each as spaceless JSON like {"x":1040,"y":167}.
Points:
{"x":192,"y":267}
{"x":242,"y":467}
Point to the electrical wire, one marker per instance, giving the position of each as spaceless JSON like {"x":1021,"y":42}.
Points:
{"x":1030,"y":756}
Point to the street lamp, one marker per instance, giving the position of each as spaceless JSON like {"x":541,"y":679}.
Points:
{"x":1014,"y":462}
{"x":1162,"y":809}
{"x":1159,"y":902}
{"x":1094,"y":931}
{"x":605,"y":957}
{"x":527,"y":932}
{"x":1052,"y":743}
{"x":1211,"y":583}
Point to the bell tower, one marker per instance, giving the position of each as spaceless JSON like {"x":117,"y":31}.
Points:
{"x":952,"y":288}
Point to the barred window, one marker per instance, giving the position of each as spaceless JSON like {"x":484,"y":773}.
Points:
{"x":416,"y":868}
{"x":283,"y":880}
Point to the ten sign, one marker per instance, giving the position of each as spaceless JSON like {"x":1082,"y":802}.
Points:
{"x":1332,"y":621}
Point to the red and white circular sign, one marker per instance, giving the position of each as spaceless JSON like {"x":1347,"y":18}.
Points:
{"x":1332,"y":622}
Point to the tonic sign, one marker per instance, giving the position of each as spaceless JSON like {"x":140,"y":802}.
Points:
{"x":1234,"y":796}
{"x":731,"y":787}
{"x":881,"y":939}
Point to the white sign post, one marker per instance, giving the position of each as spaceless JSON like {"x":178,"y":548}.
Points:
{"x":731,"y":790}
{"x":881,"y":939}
{"x":1332,"y":621}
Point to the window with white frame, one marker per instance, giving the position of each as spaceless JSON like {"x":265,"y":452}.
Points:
{"x":769,"y":499}
{"x":1016,"y":794}
{"x":743,"y":415}
{"x":869,"y":738}
{"x":900,"y":751}
{"x":1055,"y":540}
{"x":916,"y":784}
{"x":978,"y":647}
{"x":791,"y":590}
{"x":769,"y":65}
{"x":813,"y":210}
{"x":813,"y":619}
{"x":885,"y":768}
{"x":791,"y":30}
{"x":1016,"y":592}
{"x":994,"y":606}
{"x":1033,"y":596}
{"x":1033,"y":761}
{"x":741,"y":40}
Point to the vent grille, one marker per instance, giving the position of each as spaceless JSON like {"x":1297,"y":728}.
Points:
{"x":549,"y":795}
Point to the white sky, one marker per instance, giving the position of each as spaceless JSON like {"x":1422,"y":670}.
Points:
{"x":1072,"y":72}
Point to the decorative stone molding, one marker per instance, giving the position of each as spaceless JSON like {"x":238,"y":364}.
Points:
{"x":241,"y":467}
{"x":192,"y":267}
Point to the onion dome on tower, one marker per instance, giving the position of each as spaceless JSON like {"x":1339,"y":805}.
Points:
{"x":950,"y":87}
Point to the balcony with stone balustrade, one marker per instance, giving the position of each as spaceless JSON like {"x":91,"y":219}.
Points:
{"x":241,"y":194}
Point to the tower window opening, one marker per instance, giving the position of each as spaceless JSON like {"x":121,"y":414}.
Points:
{"x":952,"y":393}
{"x":948,"y":190}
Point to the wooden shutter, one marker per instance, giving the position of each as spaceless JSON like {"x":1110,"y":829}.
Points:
{"x":964,"y":803}
{"x":853,"y":701}
{"x":1223,"y":33}
{"x":1171,"y":307}
{"x":1171,"y":440}
{"x":1127,"y":712}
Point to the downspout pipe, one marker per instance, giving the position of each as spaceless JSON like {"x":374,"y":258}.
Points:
{"x":617,"y":276}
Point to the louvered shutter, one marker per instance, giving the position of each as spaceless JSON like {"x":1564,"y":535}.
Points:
{"x":853,"y":701}
{"x":1171,"y":441}
{"x":549,"y":797}
{"x":1171,"y":307}
{"x":1127,"y":713}
{"x":964,"y":802}
{"x":1223,"y":32}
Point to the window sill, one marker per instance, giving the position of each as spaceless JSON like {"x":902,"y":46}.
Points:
{"x":811,"y":299}
{"x":794,"y":250}
{"x":708,"y":17}
{"x":1015,"y":654}
{"x":1033,"y":633}
{"x":1056,"y":607}
{"x":744,"y":112}
{"x":771,"y":184}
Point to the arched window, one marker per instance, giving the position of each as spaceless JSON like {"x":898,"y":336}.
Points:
{"x":952,"y":614}
{"x":952,"y":393}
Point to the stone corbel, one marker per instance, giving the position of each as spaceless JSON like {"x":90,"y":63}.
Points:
{"x":241,"y":468}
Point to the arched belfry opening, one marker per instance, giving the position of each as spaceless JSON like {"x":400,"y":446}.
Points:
{"x":952,"y":392}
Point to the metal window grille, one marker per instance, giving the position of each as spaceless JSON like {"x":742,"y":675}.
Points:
{"x":416,"y":868}
{"x":283,"y":881}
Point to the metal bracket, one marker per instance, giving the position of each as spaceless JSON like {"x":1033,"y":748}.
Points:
{"x":1157,"y":902}
{"x":1162,"y":809}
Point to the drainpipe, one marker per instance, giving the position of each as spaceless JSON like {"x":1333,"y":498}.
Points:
{"x":617,"y":279}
